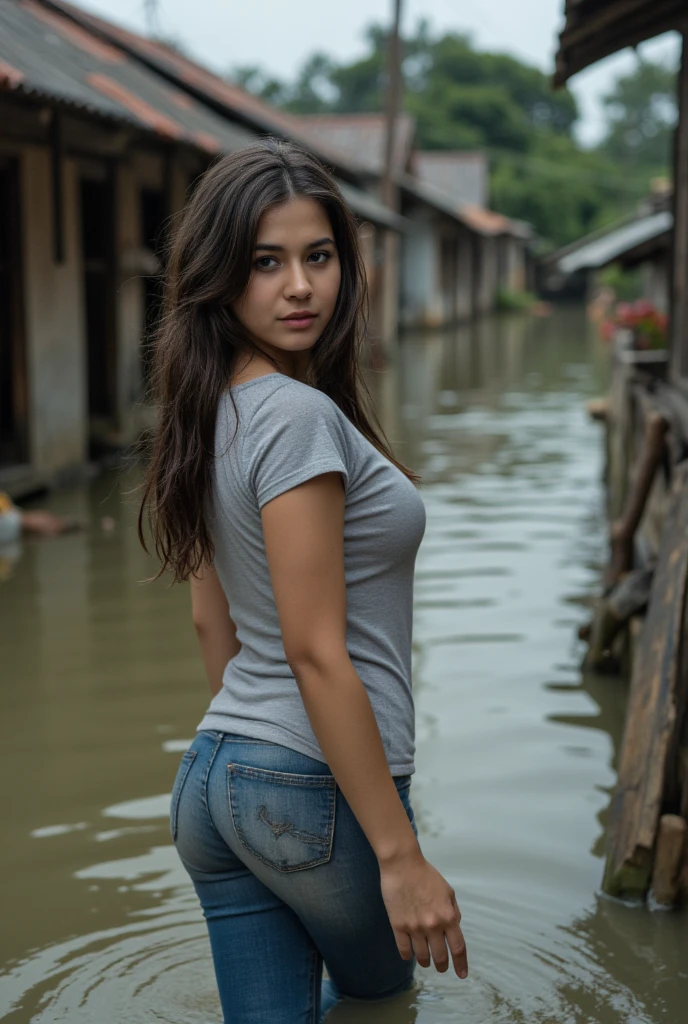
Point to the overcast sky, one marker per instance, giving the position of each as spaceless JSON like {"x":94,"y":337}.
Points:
{"x":279,"y":34}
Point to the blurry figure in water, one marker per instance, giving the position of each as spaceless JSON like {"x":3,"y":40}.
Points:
{"x":16,"y":521}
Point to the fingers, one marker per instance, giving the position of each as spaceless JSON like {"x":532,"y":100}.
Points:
{"x":457,"y":948}
{"x":420,"y":948}
{"x":404,"y":945}
{"x":438,"y":948}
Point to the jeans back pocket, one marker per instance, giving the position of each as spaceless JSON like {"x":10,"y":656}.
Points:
{"x":285,"y":820}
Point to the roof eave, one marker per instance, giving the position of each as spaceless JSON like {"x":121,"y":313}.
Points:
{"x":99,"y":27}
{"x":584,"y":41}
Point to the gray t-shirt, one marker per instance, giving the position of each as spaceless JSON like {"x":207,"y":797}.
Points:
{"x":287,"y":433}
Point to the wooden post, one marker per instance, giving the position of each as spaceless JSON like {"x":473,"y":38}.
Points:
{"x":623,"y":530}
{"x":651,"y":718}
{"x":392,"y":112}
{"x":679,"y":258}
{"x":671,"y":837}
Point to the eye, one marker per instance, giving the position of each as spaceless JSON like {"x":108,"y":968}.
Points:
{"x":325,"y":257}
{"x":264,"y":262}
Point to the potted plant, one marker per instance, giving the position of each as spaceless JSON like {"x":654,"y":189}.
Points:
{"x":639,"y":332}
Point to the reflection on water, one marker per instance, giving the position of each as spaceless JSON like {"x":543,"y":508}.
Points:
{"x":102,"y":688}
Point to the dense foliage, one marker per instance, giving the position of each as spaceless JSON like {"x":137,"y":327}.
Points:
{"x":463,"y":98}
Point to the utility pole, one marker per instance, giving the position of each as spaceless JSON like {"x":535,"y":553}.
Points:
{"x":388,"y":299}
{"x":150,"y":8}
{"x":393,"y":104}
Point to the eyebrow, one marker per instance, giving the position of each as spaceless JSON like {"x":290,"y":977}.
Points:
{"x":264,"y":246}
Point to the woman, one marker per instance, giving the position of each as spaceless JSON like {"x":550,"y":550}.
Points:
{"x":271,"y":491}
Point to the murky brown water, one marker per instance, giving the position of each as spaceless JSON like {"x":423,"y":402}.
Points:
{"x":102,"y":687}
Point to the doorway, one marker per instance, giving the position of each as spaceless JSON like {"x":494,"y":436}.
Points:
{"x":13,"y":373}
{"x":98,"y":250}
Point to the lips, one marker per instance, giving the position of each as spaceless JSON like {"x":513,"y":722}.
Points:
{"x":301,"y":320}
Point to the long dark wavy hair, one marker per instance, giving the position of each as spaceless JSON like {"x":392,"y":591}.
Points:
{"x":199,"y":339}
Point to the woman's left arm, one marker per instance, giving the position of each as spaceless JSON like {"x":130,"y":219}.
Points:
{"x":214,"y":628}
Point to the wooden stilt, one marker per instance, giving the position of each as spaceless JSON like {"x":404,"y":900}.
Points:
{"x":623,"y":530}
{"x":671,"y":836}
{"x":651,"y":718}
{"x":598,"y":409}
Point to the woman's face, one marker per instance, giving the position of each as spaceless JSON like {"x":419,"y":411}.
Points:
{"x":293,"y":288}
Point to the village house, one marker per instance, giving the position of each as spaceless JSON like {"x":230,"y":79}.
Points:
{"x":102,"y":133}
{"x":640,"y":242}
{"x":457,"y":256}
{"x":98,"y":149}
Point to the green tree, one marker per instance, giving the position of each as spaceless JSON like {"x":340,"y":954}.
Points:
{"x":641,"y":114}
{"x":463,"y":98}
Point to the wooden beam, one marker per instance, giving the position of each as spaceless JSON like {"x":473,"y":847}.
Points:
{"x":606,"y":19}
{"x":592,"y":34}
{"x":651,"y":718}
{"x":679,"y":257}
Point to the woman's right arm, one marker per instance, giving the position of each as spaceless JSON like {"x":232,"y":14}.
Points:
{"x":303,"y":530}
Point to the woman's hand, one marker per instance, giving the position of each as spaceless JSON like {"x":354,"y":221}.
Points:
{"x":423,"y":913}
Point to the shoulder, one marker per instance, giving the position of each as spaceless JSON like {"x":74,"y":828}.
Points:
{"x":292,"y":403}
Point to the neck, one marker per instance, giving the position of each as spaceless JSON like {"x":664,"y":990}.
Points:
{"x":252,"y":364}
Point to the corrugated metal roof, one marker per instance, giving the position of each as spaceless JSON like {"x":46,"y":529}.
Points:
{"x":224,"y":95}
{"x":462,"y":175}
{"x":363,"y":137}
{"x":367,"y":206}
{"x":481,"y":221}
{"x":238,"y":102}
{"x":365,"y":133}
{"x":603,"y":249}
{"x":44,"y":54}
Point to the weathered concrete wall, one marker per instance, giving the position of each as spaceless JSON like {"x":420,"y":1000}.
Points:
{"x":421,"y":294}
{"x":55,"y":331}
{"x":464,"y":282}
{"x":512,"y":268}
{"x":485,"y":270}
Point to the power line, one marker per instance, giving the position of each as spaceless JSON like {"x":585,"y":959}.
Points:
{"x":151,"y":13}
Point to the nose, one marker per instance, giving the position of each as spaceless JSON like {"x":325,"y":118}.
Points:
{"x":298,"y":285}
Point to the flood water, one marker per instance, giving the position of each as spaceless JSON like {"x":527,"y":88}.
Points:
{"x":102,"y":688}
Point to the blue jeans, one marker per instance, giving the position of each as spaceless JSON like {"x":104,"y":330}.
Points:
{"x":286,"y":879}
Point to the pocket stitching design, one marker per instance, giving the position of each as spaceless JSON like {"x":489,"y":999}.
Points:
{"x":286,"y":828}
{"x":284,"y":778}
{"x":188,"y":758}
